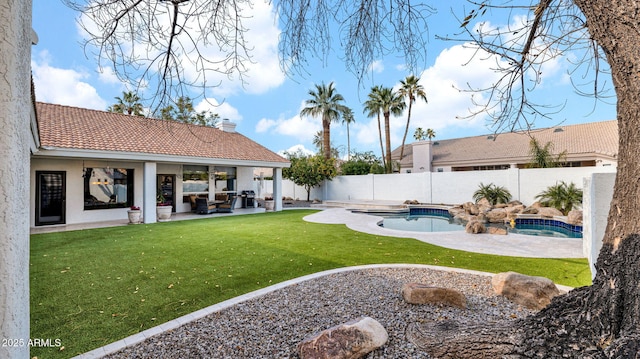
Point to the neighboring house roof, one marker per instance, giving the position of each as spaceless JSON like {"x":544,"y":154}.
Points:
{"x":583,"y":141}
{"x":73,"y":128}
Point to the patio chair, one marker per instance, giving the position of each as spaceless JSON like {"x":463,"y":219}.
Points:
{"x":228,"y":205}
{"x":203,"y":206}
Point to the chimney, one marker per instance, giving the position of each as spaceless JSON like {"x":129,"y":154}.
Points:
{"x":226,"y":126}
{"x":422,"y":156}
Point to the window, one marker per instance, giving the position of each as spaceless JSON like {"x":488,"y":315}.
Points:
{"x":108,"y":188}
{"x":225,"y":179}
{"x":195,"y":179}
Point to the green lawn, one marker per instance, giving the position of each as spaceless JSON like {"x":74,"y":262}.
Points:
{"x":92,"y":287}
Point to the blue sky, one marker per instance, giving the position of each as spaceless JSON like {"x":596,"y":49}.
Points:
{"x":266,"y":108}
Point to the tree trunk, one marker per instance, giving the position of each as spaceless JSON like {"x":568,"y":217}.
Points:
{"x":603,"y":320}
{"x":387,"y":139}
{"x":384,"y":160}
{"x":406,"y":129}
{"x":326,"y":137}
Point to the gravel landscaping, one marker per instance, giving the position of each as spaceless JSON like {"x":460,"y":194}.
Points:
{"x":272,"y":325}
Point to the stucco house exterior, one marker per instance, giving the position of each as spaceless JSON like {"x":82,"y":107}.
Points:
{"x":92,"y":166}
{"x":588,"y":144}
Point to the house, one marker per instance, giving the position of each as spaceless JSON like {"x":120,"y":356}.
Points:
{"x":589,"y":144}
{"x":91,"y":166}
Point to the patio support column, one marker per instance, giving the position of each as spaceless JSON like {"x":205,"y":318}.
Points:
{"x":277,"y":189}
{"x":149,"y":192}
{"x":15,"y":120}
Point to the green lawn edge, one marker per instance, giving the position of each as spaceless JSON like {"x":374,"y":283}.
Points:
{"x":92,"y":287}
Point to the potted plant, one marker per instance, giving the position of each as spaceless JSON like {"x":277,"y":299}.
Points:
{"x":269,"y":204}
{"x":163,"y":209}
{"x":134,"y":215}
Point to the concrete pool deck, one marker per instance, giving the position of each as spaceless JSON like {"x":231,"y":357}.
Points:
{"x":517,"y":245}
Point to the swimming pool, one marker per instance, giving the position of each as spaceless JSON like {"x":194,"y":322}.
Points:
{"x":439,"y":220}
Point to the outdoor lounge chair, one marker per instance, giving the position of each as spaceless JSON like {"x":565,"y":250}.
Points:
{"x":203,"y":206}
{"x":228,"y":205}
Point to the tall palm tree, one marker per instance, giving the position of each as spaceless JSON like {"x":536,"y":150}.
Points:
{"x":391,"y":102}
{"x":128,"y":104}
{"x":373,"y":107}
{"x":411,"y":89}
{"x":347,"y":118}
{"x":326,"y":103}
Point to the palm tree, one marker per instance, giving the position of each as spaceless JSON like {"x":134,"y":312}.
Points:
{"x":128,"y":104}
{"x":561,"y":196}
{"x":347,"y":118}
{"x":326,"y":103}
{"x":391,"y":102}
{"x":372,"y":107}
{"x":430,"y":133}
{"x":411,"y":89}
{"x":542,"y":156}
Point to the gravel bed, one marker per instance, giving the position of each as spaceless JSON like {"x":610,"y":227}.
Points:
{"x":272,"y":325}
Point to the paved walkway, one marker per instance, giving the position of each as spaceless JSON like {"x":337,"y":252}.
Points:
{"x":510,"y":245}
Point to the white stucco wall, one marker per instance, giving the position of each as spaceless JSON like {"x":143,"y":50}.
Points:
{"x":598,"y":192}
{"x":15,"y":132}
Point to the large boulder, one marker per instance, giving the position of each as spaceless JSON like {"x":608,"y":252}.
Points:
{"x":531,"y":292}
{"x":475,"y":227}
{"x":456,"y":210}
{"x":549,"y":212}
{"x":496,"y":215}
{"x":350,"y":340}
{"x":530,"y":210}
{"x":417,"y":293}
{"x":575,"y":217}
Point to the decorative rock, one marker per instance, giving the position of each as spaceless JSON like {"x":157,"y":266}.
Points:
{"x":475,"y":227}
{"x":496,"y":215}
{"x":470,"y":208}
{"x":350,"y":340}
{"x":497,"y":230}
{"x":518,"y":208}
{"x":530,"y":210}
{"x":417,"y":293}
{"x":549,"y":212}
{"x":575,"y":217}
{"x":484,"y":205}
{"x":531,"y":292}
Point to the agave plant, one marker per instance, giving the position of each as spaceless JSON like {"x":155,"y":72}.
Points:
{"x":561,"y":196}
{"x":492,"y":193}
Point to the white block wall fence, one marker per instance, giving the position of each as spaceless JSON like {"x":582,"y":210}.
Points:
{"x":458,"y":187}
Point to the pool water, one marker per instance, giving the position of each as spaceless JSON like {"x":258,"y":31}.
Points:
{"x":439,"y":223}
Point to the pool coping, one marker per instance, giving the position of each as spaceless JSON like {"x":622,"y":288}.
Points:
{"x":513,"y":244}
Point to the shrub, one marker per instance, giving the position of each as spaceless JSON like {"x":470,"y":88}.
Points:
{"x":561,"y":196}
{"x":492,"y":193}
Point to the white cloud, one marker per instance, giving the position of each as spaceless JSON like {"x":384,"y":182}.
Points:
{"x":225,"y":110}
{"x":454,"y":70}
{"x":262,"y":68}
{"x":376,"y":66}
{"x":64,"y":86}
{"x":302,"y":128}
{"x":295,"y":149}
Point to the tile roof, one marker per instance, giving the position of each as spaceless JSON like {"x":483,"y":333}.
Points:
{"x":65,"y":127}
{"x":588,"y":139}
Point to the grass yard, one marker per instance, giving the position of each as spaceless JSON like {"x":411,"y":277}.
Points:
{"x":92,"y":287}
